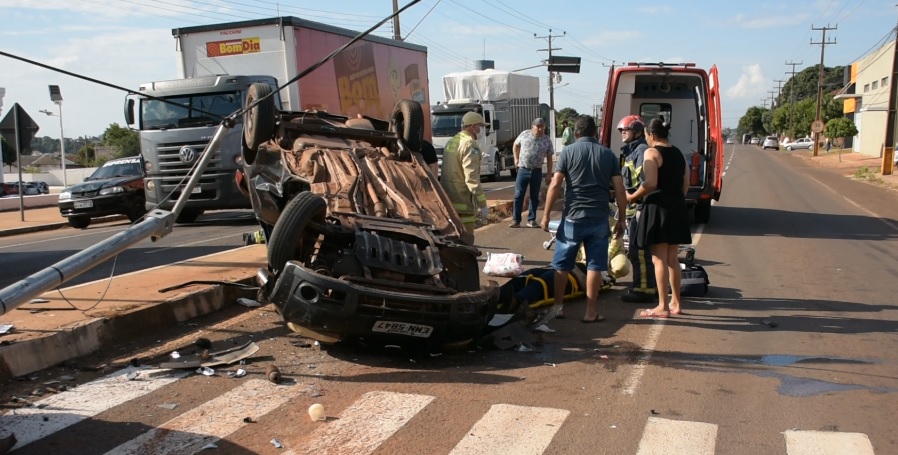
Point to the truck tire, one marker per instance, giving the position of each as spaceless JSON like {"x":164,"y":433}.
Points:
{"x":79,"y":222}
{"x":188,"y":216}
{"x":258,"y":122}
{"x":407,"y":120}
{"x":703,"y":211}
{"x":290,"y":239}
{"x":497,"y":170}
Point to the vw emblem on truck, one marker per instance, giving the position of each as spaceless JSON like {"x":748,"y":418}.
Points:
{"x":187,"y":154}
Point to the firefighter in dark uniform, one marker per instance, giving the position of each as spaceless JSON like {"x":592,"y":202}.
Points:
{"x":643,"y":289}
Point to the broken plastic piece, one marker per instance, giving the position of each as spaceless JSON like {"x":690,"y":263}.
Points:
{"x":132,"y":375}
{"x":249,"y":303}
{"x":205,"y":371}
{"x":240,"y":373}
{"x":175,"y":355}
{"x":523,"y":348}
{"x":277,"y":444}
{"x":169,"y":406}
{"x":38,"y":301}
{"x":316,"y":412}
{"x":5,"y":328}
{"x":544,"y":328}
{"x":549,"y":364}
{"x":209,"y":446}
{"x":769,"y":323}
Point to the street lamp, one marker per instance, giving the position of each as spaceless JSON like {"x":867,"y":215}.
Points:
{"x":56,"y":97}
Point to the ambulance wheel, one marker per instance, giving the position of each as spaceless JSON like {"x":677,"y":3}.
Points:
{"x":407,"y":120}
{"x":290,"y":239}
{"x":703,"y":211}
{"x":258,"y":122}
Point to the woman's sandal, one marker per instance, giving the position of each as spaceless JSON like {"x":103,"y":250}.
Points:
{"x":650,"y":314}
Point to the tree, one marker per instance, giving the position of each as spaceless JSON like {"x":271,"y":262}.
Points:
{"x":125,"y":140}
{"x":753,"y":121}
{"x":8,"y":152}
{"x":565,"y":115}
{"x":839,"y":129}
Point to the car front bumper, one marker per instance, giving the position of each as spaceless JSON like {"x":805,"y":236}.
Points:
{"x":325,"y":304}
{"x":114,"y":204}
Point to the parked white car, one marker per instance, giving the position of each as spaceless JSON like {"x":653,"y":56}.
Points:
{"x":803,"y":143}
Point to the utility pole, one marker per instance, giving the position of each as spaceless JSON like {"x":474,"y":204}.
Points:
{"x":792,"y":98}
{"x":823,"y":42}
{"x":396,"y":35}
{"x":551,"y":76}
{"x":772,"y":98}
{"x":779,"y":89}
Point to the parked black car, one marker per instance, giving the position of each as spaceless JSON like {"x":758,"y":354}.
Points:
{"x":116,"y":188}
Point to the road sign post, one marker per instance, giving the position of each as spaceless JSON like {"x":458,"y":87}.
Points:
{"x":817,"y":128}
{"x":19,"y":129}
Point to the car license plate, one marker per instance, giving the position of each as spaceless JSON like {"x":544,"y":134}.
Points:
{"x":84,"y":204}
{"x":402,"y":328}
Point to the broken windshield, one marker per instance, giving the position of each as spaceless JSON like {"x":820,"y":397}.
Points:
{"x":189,"y":111}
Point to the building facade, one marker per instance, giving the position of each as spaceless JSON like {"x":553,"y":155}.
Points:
{"x":866,"y":99}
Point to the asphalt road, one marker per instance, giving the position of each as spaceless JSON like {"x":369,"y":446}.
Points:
{"x":217,"y":231}
{"x":789,"y":353}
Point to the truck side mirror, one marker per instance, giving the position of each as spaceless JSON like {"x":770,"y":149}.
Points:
{"x":129,"y":111}
{"x":495,"y":124}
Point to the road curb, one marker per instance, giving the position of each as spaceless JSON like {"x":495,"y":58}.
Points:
{"x":35,"y":354}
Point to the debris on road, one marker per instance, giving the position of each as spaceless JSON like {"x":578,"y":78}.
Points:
{"x":169,"y":406}
{"x":203,"y":343}
{"x":224,"y":357}
{"x":248,"y":420}
{"x":205,"y":371}
{"x":769,"y":323}
{"x":316,"y":412}
{"x":237,"y":374}
{"x":5,"y":328}
{"x":249,"y":303}
{"x":273,"y":373}
{"x":209,"y":446}
{"x":277,"y":444}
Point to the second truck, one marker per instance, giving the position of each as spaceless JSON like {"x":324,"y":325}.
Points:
{"x":508,"y":102}
{"x":218,"y":63}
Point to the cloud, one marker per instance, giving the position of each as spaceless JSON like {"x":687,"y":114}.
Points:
{"x":751,"y":83}
{"x":655,"y":9}
{"x":765,"y":21}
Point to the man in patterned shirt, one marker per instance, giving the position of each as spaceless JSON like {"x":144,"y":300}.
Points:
{"x":531,"y":149}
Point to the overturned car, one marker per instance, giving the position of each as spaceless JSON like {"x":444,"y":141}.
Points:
{"x":362,"y":239}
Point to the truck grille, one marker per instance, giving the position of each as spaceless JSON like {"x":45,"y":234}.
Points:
{"x":173,"y":171}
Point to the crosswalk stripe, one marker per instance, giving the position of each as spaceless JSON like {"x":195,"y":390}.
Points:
{"x":211,"y":421}
{"x":512,"y":429}
{"x":365,"y":425}
{"x":83,"y":402}
{"x":675,"y":437}
{"x":827,"y":443}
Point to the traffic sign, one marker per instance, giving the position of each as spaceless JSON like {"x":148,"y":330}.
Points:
{"x":18,"y":123}
{"x":817,"y":126}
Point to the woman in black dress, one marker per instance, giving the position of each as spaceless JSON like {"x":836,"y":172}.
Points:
{"x":664,"y":221}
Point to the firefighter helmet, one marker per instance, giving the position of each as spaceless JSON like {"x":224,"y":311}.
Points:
{"x":632,"y":122}
{"x":471,"y":118}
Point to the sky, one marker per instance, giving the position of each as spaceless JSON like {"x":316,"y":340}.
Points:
{"x":128,"y":42}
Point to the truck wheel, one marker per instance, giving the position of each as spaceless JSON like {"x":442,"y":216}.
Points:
{"x":703,"y":211}
{"x":188,"y":216}
{"x":407,"y":120}
{"x":258,"y":122}
{"x":497,"y":171}
{"x":79,"y":222}
{"x":290,"y":239}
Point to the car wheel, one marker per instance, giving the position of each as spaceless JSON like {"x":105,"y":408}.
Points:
{"x":136,"y":213}
{"x":789,"y":148}
{"x":290,"y":238}
{"x":407,"y":120}
{"x":79,"y":222}
{"x":258,"y":122}
{"x":188,"y":216}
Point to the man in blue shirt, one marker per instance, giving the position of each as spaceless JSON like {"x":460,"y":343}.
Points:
{"x":588,"y":171}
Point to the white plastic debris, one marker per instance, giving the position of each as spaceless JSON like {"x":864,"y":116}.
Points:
{"x":249,"y":303}
{"x":240,"y":373}
{"x":169,"y":406}
{"x":316,"y":412}
{"x":209,"y":446}
{"x":277,"y":444}
{"x":5,"y":328}
{"x":523,"y":348}
{"x":499,"y":320}
{"x":205,"y":371}
{"x":544,"y":328}
{"x":38,"y":301}
{"x":132,"y":375}
{"x":175,"y":355}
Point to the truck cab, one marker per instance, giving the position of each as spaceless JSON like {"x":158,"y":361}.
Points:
{"x":176,"y":120}
{"x":689,"y":99}
{"x":446,"y":123}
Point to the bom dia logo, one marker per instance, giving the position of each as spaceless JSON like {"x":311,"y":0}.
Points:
{"x":233,"y":47}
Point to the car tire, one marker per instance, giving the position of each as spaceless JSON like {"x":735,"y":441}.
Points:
{"x":290,"y":238}
{"x":407,"y":120}
{"x":136,"y":213}
{"x":789,"y":148}
{"x":79,"y":222}
{"x":188,"y":216}
{"x":258,"y":122}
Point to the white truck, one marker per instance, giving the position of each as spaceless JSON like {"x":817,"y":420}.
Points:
{"x":508,"y":102}
{"x":214,"y":64}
